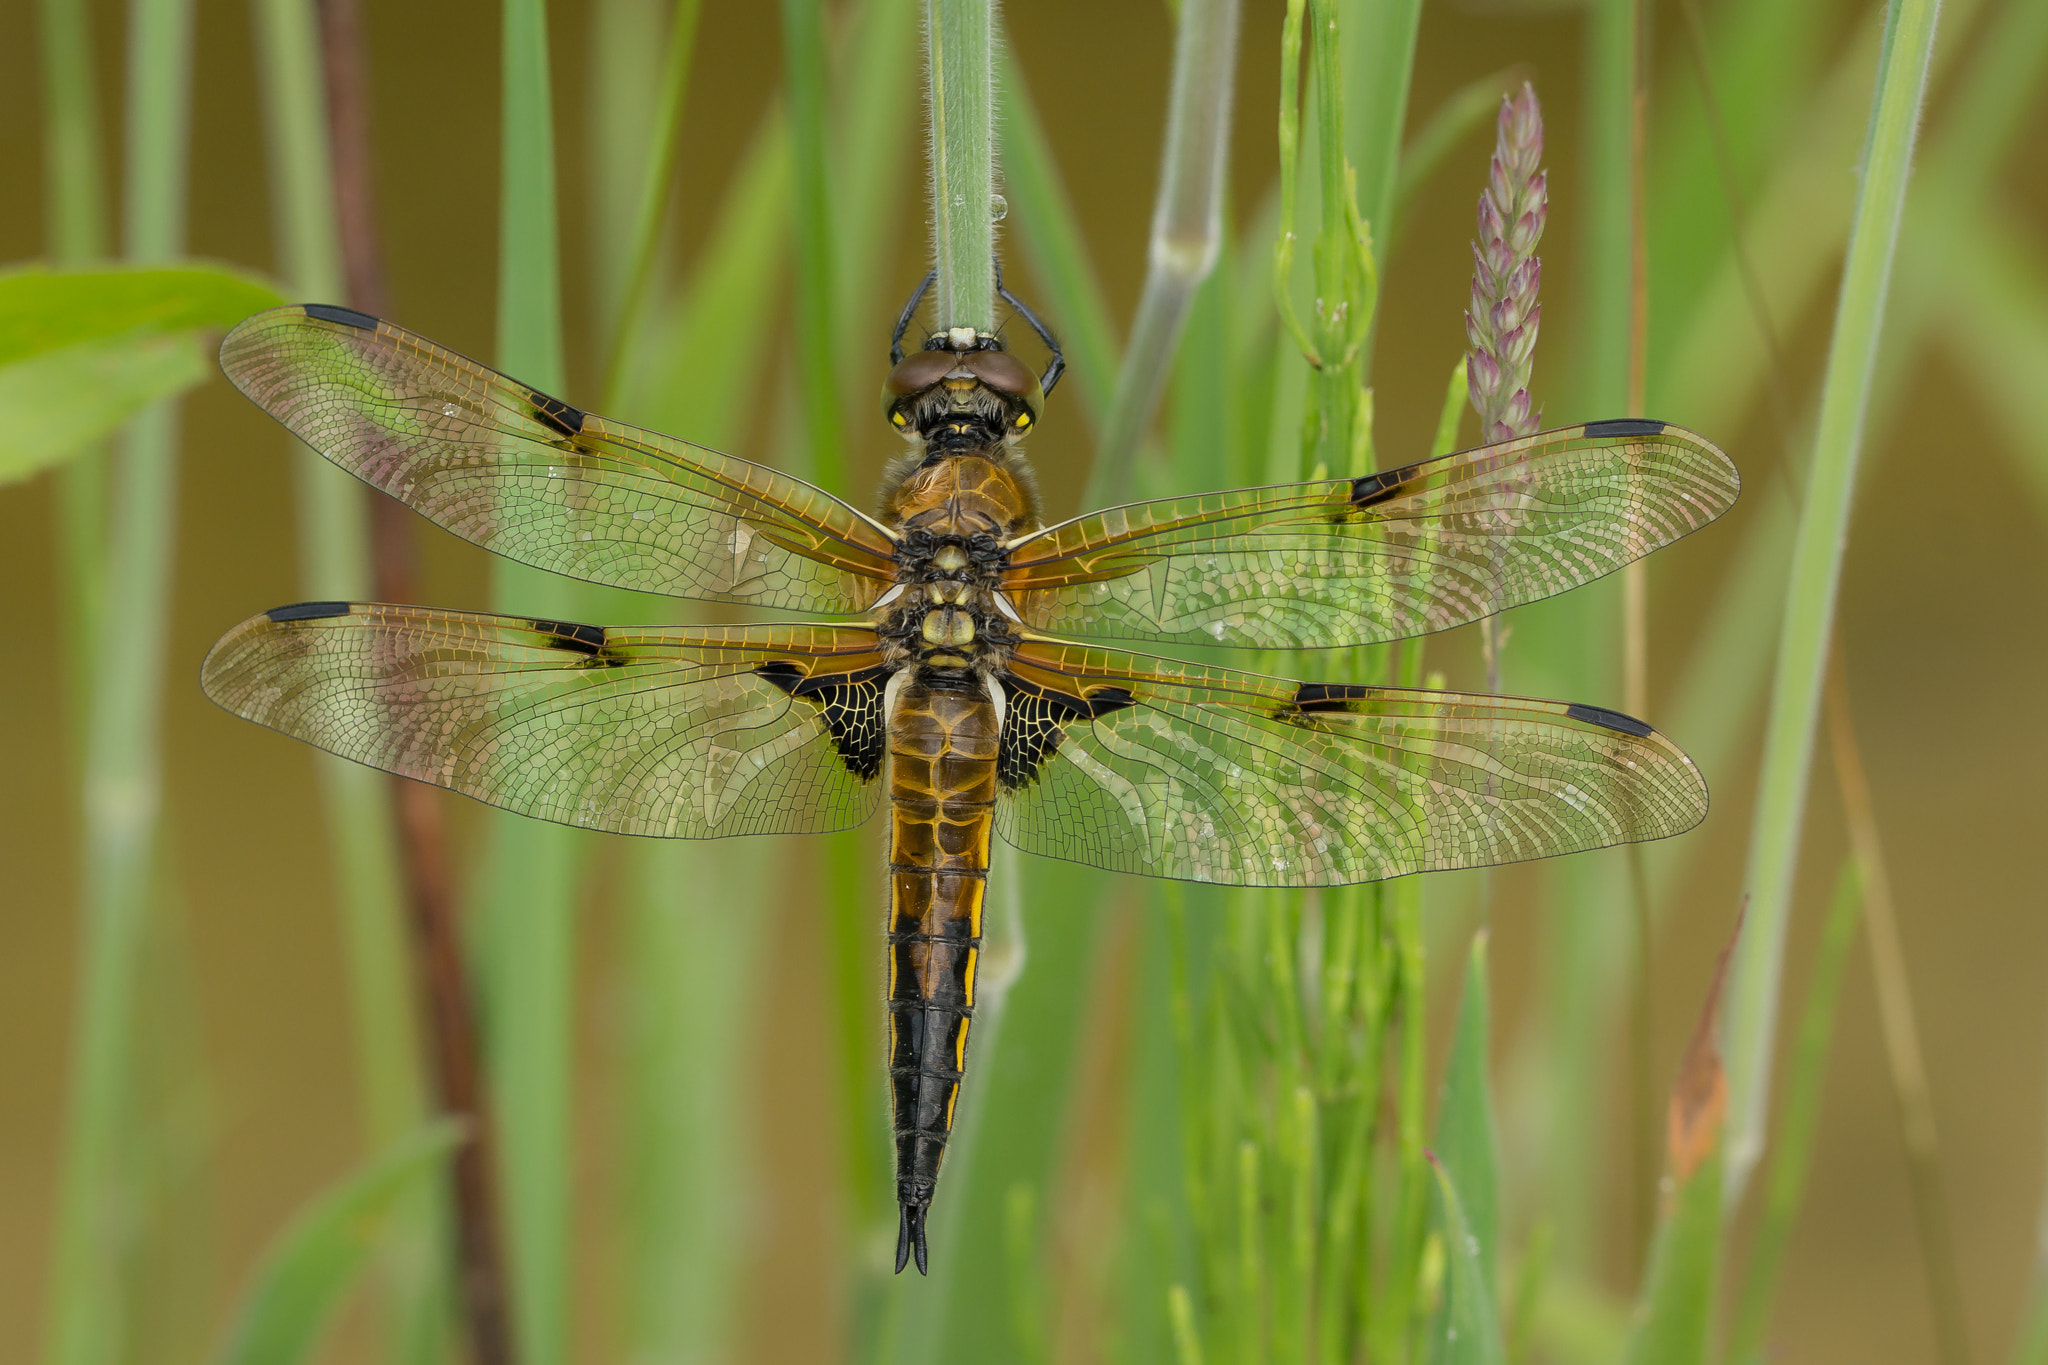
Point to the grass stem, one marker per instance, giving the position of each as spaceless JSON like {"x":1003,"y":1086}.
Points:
{"x":123,"y":775}
{"x":656,"y":187}
{"x":1816,"y":573}
{"x":960,"y":84}
{"x":817,"y":339}
{"x":75,"y":231}
{"x":528,"y":890}
{"x":1187,"y":233}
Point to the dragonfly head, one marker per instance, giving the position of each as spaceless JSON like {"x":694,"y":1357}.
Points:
{"x":963,"y":390}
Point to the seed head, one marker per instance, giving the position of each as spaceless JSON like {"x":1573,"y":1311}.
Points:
{"x":1502,"y":322}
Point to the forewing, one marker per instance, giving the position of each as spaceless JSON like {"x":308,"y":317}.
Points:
{"x":529,"y":477}
{"x":689,"y":734}
{"x":1395,"y":554}
{"x":1169,"y":769}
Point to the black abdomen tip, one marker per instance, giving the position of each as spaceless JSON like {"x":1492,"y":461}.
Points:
{"x":910,"y":1237}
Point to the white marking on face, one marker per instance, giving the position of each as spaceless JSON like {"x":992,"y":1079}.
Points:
{"x":961,"y":337}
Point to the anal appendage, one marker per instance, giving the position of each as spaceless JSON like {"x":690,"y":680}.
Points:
{"x":910,"y":1237}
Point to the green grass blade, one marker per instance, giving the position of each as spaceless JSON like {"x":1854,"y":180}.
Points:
{"x":75,"y":210}
{"x":1379,"y":62}
{"x":624,"y":295}
{"x":873,"y":102}
{"x":1467,"y":1138}
{"x":1674,"y":1313}
{"x":1792,"y":1151}
{"x":75,"y":231}
{"x":1816,"y":572}
{"x":961,"y":82}
{"x":686,"y":361}
{"x":122,"y":783}
{"x":306,"y":1274}
{"x":1051,"y":235}
{"x":530,"y":875}
{"x":682,"y":1145}
{"x":1471,"y":1320}
{"x":1613,"y":37}
{"x":803,"y":47}
{"x":876,"y":93}
{"x":1457,"y":397}
{"x":1993,"y":317}
{"x":1186,"y":236}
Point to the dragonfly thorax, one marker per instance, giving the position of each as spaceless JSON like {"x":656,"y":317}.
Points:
{"x":946,"y":612}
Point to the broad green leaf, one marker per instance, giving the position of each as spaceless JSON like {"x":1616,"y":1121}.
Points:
{"x":1470,"y":1324}
{"x":56,"y":404}
{"x":1467,"y":1139}
{"x":311,"y":1267}
{"x":81,"y":351}
{"x":44,"y":310}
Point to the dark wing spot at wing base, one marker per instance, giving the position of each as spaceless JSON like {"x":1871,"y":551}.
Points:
{"x":1036,"y":722}
{"x":1611,"y":720}
{"x":851,"y":705}
{"x":309,"y":611}
{"x":347,"y":317}
{"x":1626,"y":426}
{"x":554,"y":413}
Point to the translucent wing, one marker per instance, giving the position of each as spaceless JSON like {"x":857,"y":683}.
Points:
{"x":692,"y":734}
{"x":529,"y":477}
{"x":1204,"y":774}
{"x":1394,"y":554}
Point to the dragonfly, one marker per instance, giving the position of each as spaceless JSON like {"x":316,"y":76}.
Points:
{"x":967,"y":666}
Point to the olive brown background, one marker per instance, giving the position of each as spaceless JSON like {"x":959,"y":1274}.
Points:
{"x":1944,"y":604}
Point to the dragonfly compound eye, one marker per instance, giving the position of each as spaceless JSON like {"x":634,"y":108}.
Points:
{"x":912,"y":377}
{"x":1003,"y":373}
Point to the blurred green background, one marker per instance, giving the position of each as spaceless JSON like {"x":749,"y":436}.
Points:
{"x":246,"y":1054}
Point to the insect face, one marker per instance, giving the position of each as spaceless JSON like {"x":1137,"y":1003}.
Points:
{"x":962,"y":390}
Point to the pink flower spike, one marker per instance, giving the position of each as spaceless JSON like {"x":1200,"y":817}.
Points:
{"x":1501,"y":324}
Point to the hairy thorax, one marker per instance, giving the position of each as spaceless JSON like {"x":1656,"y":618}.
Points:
{"x":955,"y":512}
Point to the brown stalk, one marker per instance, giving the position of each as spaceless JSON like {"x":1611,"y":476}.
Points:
{"x":1635,"y":687}
{"x":1895,"y":1014}
{"x":443,"y":980}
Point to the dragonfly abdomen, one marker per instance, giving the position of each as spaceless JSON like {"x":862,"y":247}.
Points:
{"x":943,"y":738}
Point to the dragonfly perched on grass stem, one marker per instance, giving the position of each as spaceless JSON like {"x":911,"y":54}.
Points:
{"x":962,"y":681}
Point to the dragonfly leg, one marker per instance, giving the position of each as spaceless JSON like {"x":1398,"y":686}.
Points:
{"x":1055,"y":367}
{"x":909,"y":311}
